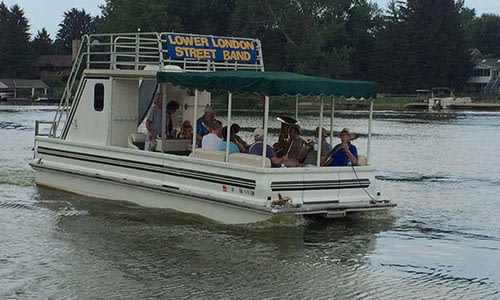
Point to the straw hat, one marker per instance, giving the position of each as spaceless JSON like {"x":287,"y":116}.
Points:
{"x":346,"y":131}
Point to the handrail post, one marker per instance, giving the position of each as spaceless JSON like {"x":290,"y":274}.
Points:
{"x":370,"y":121}
{"x":331,"y":120}
{"x":137,"y":49}
{"x":320,"y":134}
{"x":228,"y":132}
{"x":266,"y":121}
{"x":195,"y":122}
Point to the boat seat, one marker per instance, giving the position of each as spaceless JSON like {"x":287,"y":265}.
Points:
{"x":209,"y":154}
{"x":362,"y":160}
{"x":173,"y":145}
{"x":249,"y":160}
{"x":136,"y":140}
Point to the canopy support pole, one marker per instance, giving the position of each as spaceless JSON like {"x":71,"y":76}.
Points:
{"x":195,"y":113}
{"x":228,"y":132}
{"x":266,"y":121}
{"x":297,"y":107}
{"x":163,"y":116}
{"x":370,"y":121}
{"x":331,"y":120}
{"x":320,"y":134}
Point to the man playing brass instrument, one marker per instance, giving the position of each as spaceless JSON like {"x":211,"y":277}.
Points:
{"x":297,"y":149}
{"x":343,"y":154}
{"x":281,"y":147}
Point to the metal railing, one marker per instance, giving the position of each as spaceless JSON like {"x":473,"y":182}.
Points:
{"x":39,"y":125}
{"x":133,"y":51}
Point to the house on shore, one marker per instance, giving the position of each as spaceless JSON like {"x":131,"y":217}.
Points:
{"x":58,"y":65}
{"x":11,"y":88}
{"x":485,"y":77}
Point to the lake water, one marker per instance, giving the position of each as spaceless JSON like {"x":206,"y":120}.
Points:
{"x":442,"y":241}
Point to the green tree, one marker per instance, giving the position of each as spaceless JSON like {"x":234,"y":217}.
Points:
{"x":438,"y":45}
{"x":317,"y":37}
{"x":197,"y":16}
{"x":361,"y":22}
{"x":423,"y":45}
{"x":484,"y":34}
{"x":76,"y":24}
{"x":391,"y":51}
{"x":15,"y":57}
{"x":204,"y":16}
{"x":42,"y":44}
{"x":133,"y":15}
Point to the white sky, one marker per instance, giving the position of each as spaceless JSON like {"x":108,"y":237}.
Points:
{"x":49,"y":13}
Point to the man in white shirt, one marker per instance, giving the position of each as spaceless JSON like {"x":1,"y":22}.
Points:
{"x":212,"y":140}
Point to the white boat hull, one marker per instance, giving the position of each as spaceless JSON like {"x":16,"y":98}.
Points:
{"x":222,"y":192}
{"x":147,"y":197}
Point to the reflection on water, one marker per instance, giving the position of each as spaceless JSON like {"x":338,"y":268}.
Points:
{"x":441,"y":242}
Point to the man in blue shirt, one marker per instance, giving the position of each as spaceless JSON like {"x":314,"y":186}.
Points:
{"x":345,"y":153}
{"x":257,"y":148}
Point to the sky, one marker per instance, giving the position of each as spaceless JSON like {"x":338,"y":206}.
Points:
{"x":49,"y":13}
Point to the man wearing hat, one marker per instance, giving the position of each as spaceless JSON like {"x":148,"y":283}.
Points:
{"x":295,"y":153}
{"x":325,"y":148}
{"x":203,"y":124}
{"x":257,"y":148}
{"x":345,"y":153}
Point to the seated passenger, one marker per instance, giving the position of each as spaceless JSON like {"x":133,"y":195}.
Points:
{"x":296,"y":152}
{"x":203,"y":124}
{"x":212,"y":140}
{"x":326,"y":148}
{"x":186,"y":131}
{"x":232,"y":146}
{"x":235,"y":138}
{"x":257,"y":148}
{"x":345,"y":153}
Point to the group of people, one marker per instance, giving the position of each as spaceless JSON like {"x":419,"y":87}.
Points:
{"x":154,"y":123}
{"x":300,"y":152}
{"x":211,"y":135}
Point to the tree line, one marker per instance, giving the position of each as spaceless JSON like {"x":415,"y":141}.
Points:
{"x":412,"y":44}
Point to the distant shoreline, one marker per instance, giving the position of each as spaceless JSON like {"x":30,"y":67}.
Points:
{"x":383,"y":104}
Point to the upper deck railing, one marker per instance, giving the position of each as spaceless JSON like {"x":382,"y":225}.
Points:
{"x":136,"y":51}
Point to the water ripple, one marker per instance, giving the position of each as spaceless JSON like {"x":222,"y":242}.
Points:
{"x":417,"y":177}
{"x":13,"y":126}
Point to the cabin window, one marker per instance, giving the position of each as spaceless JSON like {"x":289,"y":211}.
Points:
{"x":99,"y":97}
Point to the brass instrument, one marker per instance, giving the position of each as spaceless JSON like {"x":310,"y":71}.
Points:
{"x":307,"y":146}
{"x":334,"y":152}
{"x":283,"y":145}
{"x":330,"y":156}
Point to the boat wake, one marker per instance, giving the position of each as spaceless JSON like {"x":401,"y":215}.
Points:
{"x":417,"y":177}
{"x":13,"y":126}
{"x":17,"y":177}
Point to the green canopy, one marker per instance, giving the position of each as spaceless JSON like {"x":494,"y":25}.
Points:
{"x":268,"y":83}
